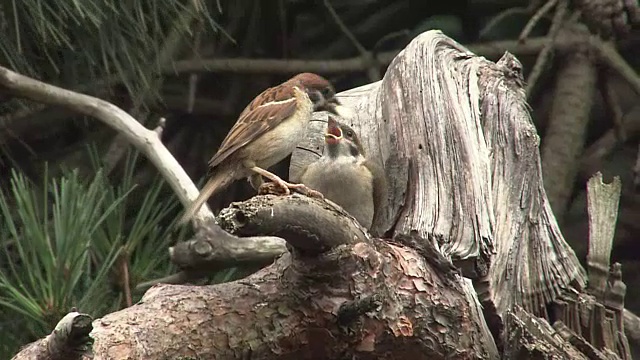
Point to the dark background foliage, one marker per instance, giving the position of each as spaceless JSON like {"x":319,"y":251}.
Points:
{"x":150,"y":59}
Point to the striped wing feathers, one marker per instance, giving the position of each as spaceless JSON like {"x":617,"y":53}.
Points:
{"x":264,"y":113}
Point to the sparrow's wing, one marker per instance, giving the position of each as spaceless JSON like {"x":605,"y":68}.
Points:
{"x":379,"y":187}
{"x":264,"y":113}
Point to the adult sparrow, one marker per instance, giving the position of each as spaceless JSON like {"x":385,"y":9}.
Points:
{"x":345,"y":176}
{"x":266,"y":132}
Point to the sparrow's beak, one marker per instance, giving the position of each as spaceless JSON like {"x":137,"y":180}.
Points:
{"x":335,"y":107}
{"x":334,"y":132}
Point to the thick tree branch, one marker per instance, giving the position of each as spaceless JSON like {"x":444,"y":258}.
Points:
{"x":356,"y":299}
{"x":214,"y":249}
{"x":309,"y":225}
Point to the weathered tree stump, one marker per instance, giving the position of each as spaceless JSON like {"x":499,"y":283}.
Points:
{"x":457,"y":142}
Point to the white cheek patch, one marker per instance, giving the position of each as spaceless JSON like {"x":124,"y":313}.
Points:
{"x":345,"y":112}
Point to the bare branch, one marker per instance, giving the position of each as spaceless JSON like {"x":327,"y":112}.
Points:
{"x":372,"y":70}
{"x":145,"y":140}
{"x":543,"y":56}
{"x":544,"y":9}
{"x":214,"y":249}
{"x":329,"y":66}
{"x":261,"y":66}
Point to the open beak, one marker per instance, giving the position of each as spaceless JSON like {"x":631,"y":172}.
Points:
{"x":335,"y":107}
{"x":334,"y":132}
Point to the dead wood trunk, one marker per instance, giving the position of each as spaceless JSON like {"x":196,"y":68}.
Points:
{"x":462,"y":157}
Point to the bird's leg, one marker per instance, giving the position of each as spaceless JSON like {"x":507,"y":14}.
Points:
{"x":273,"y":177}
{"x":286,"y":186}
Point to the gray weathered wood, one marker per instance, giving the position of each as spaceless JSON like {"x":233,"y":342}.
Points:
{"x":605,"y":314}
{"x":457,"y":143}
{"x":531,"y":338}
{"x":602,"y":203}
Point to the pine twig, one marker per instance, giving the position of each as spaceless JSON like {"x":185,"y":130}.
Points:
{"x":372,"y":71}
{"x":536,"y":18}
{"x":614,"y":108}
{"x":193,"y":77}
{"x":162,"y":122}
{"x":544,"y":54}
{"x":125,"y":279}
{"x":610,"y":56}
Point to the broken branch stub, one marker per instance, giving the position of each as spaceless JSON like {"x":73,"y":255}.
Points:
{"x":461,"y":155}
{"x":602,"y":202}
{"x":70,"y":340}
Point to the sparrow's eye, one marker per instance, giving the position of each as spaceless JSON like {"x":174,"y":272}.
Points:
{"x":349,"y":133}
{"x":314,"y":96}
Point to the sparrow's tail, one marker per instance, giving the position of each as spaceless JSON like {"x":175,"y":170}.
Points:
{"x":220,"y":180}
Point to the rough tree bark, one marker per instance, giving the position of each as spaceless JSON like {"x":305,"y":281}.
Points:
{"x":455,"y":138}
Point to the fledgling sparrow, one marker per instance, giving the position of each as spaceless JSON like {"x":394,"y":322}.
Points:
{"x":345,"y":176}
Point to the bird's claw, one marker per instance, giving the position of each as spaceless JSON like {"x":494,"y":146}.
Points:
{"x":271,"y":188}
{"x":311,"y":193}
{"x":285,"y":188}
{"x":305,"y":190}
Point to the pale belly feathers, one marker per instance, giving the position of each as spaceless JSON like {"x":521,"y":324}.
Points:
{"x":346,"y":184}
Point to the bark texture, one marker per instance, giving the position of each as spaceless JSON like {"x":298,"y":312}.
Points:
{"x":371,"y":300}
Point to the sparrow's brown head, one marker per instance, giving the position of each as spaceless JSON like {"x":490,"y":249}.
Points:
{"x":341,"y":140}
{"x":321,"y":93}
